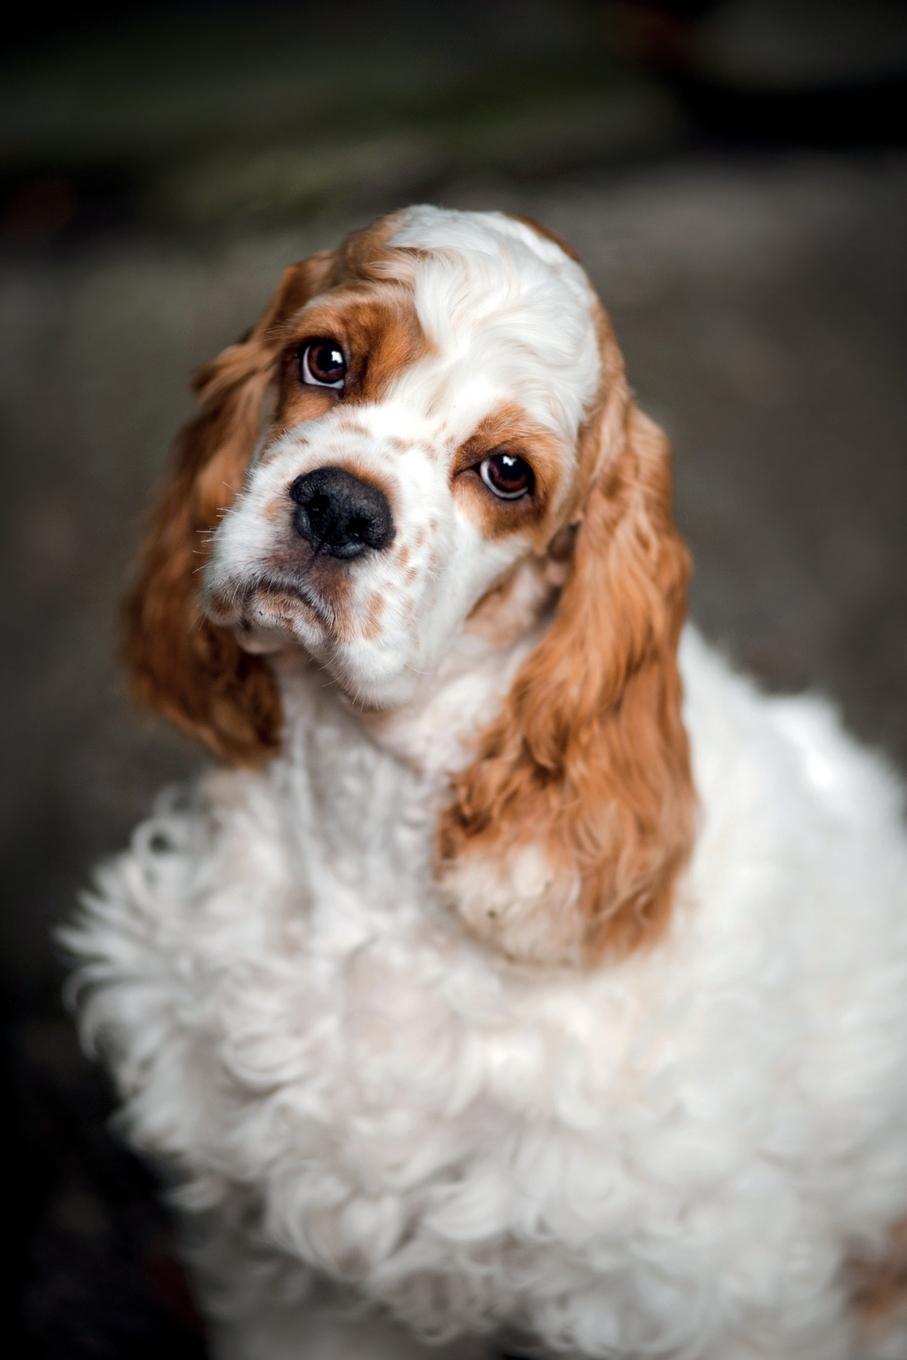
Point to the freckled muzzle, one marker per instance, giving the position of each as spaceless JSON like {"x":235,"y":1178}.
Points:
{"x":339,"y":514}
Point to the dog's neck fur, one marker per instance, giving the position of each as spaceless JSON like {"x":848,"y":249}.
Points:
{"x":434,"y":733}
{"x":368,"y":786}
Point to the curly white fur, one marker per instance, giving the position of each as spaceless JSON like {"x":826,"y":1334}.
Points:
{"x":670,"y":1157}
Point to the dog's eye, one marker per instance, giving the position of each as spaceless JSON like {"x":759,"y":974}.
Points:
{"x":322,"y":364}
{"x":508,"y":476}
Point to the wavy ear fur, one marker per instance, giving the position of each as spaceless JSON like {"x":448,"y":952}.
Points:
{"x":565,"y":834}
{"x":179,"y":663}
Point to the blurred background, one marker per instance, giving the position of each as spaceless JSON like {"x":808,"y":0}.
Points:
{"x":733,"y":173}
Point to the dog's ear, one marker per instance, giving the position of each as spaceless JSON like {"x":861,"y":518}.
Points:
{"x":565,"y":834}
{"x":180,"y":663}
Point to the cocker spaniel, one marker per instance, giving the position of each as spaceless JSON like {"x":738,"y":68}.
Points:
{"x":522,"y":977}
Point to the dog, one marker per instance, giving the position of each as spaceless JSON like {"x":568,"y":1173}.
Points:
{"x":520,"y":976}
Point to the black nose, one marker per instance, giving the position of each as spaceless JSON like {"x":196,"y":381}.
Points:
{"x":340,"y":515}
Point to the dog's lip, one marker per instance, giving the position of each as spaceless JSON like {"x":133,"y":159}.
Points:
{"x":273,"y":588}
{"x":276,"y":586}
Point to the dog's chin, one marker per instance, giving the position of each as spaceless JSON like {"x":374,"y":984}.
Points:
{"x":369,"y":693}
{"x":279,"y":618}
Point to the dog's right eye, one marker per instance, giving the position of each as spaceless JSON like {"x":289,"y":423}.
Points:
{"x":509,"y":477}
{"x":322,"y":363}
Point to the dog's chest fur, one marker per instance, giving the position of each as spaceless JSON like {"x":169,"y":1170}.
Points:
{"x":319,"y":1050}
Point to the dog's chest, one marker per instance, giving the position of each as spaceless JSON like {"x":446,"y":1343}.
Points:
{"x":381,"y":1064}
{"x":324,"y":1054}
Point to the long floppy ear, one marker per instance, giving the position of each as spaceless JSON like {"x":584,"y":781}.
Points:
{"x":564,"y":836}
{"x":180,"y":663}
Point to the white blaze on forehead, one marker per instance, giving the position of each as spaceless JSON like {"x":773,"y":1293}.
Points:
{"x":509,"y":317}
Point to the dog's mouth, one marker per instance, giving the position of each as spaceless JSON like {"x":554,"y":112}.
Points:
{"x":273,"y":609}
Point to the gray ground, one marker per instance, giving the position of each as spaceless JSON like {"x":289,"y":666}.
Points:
{"x":758,"y":290}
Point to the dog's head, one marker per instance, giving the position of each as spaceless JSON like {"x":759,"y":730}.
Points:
{"x":428,"y":434}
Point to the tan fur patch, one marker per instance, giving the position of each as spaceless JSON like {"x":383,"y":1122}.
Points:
{"x":376,"y":606}
{"x":879,"y":1288}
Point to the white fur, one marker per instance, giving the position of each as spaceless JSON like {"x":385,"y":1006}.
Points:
{"x":669,"y":1157}
{"x":382,"y":1134}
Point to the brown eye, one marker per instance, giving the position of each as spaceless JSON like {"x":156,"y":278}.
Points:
{"x":508,"y":476}
{"x":322,"y":364}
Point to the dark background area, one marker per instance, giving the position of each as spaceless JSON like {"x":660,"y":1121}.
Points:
{"x":734,"y":176}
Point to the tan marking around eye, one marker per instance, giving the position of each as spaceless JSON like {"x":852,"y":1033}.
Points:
{"x":378,"y":326}
{"x":508,"y":427}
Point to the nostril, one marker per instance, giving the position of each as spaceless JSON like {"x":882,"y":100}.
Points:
{"x":340,"y":514}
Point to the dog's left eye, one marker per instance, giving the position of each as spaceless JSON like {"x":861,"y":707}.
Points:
{"x":322,"y":363}
{"x":508,"y":476}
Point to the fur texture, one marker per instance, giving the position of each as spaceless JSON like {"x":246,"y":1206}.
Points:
{"x":542,"y":982}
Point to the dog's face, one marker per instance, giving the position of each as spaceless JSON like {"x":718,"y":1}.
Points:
{"x":428,"y":438}
{"x":422,"y":440}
